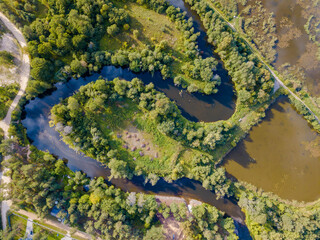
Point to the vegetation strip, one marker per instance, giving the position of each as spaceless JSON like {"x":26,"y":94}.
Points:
{"x":269,"y":67}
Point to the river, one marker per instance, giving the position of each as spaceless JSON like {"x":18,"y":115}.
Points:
{"x":45,"y":138}
{"x":195,"y":107}
{"x":278,"y":155}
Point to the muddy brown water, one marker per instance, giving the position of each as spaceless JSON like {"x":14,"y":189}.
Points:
{"x":294,"y":52}
{"x":280,"y":155}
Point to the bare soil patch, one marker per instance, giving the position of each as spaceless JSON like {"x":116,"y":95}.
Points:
{"x":169,"y":200}
{"x":171,"y":227}
{"x":136,"y":140}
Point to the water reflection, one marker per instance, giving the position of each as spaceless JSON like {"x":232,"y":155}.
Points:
{"x":278,"y":157}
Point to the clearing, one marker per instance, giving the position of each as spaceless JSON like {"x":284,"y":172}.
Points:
{"x":149,"y":26}
{"x":170,"y":225}
{"x":138,"y":140}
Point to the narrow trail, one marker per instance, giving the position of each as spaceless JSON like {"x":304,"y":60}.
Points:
{"x":24,"y":75}
{"x":264,"y":62}
{"x":5,"y":123}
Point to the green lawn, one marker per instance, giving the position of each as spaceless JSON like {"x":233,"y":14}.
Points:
{"x":18,"y":226}
{"x":152,"y":27}
{"x":50,"y":235}
{"x":122,"y":117}
{"x":52,"y":227}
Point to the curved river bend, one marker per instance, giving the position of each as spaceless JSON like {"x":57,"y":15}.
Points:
{"x":47,"y":139}
{"x":195,"y":107}
{"x":278,"y":155}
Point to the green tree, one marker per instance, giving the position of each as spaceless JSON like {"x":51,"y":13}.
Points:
{"x":41,"y":69}
{"x":77,"y":67}
{"x":154,"y":233}
{"x":112,"y":30}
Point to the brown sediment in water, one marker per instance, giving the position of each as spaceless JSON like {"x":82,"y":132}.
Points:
{"x":274,"y":156}
{"x":294,"y":45}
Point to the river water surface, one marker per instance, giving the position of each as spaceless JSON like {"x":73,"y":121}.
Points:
{"x":280,"y":155}
{"x":195,"y":107}
{"x":277,"y":155}
{"x":45,"y":138}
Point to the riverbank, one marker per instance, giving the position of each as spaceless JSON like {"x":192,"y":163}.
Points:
{"x":244,"y":119}
{"x":302,"y":97}
{"x":241,"y":120}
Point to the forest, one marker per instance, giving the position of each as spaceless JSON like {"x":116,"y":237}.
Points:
{"x":135,"y":130}
{"x":91,"y":121}
{"x":69,"y":45}
{"x":100,"y":209}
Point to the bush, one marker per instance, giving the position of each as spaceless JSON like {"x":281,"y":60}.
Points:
{"x":113,"y":30}
{"x":6,"y":58}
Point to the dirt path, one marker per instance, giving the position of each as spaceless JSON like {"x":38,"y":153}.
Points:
{"x":29,"y":228}
{"x":5,"y":123}
{"x":24,"y":75}
{"x":10,"y":71}
{"x":171,"y":227}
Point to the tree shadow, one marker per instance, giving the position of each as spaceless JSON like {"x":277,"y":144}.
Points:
{"x":240,"y":155}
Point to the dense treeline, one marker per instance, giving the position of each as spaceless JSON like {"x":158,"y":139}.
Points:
{"x":20,"y":11}
{"x":41,"y":182}
{"x":70,"y":27}
{"x":65,"y":41}
{"x":7,"y":94}
{"x":268,"y":217}
{"x":75,"y":120}
{"x":253,"y":82}
{"x":203,"y":224}
{"x":228,"y":7}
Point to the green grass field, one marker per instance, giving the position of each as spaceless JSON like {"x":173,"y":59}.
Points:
{"x":50,"y":235}
{"x":126,"y":117}
{"x":50,"y":226}
{"x":152,"y":28}
{"x":18,"y":226}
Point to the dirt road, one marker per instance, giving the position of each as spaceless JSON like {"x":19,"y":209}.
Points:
{"x":5,"y":123}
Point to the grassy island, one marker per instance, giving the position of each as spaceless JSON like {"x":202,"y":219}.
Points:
{"x":133,"y":129}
